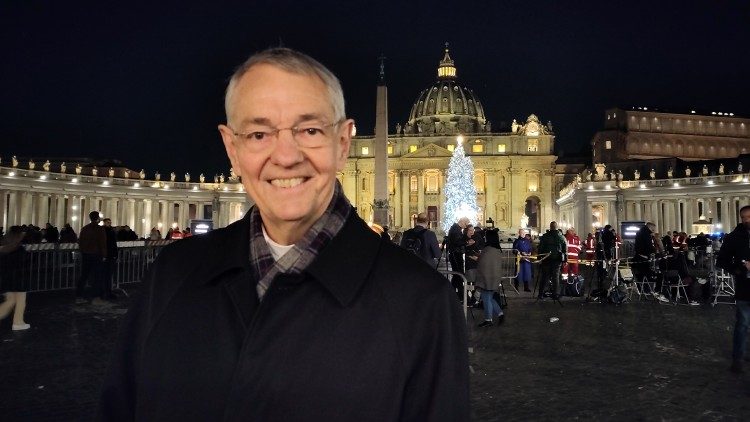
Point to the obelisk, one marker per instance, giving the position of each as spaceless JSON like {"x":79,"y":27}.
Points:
{"x":380,"y":203}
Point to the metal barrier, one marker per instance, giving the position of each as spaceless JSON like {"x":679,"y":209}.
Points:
{"x":49,"y":266}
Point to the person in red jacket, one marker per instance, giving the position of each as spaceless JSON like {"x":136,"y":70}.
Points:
{"x":573,"y":243}
{"x":590,"y":246}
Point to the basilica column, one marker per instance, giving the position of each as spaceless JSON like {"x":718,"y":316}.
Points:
{"x":405,"y":192}
{"x":397,"y":215}
{"x":420,"y":191}
{"x":490,"y":194}
{"x":441,"y":196}
{"x":725,"y":214}
{"x":59,"y":211}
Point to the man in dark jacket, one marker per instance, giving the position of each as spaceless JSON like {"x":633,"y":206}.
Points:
{"x":734,"y":258}
{"x":457,"y":243}
{"x":298,"y":311}
{"x":552,"y":246}
{"x":429,"y":250}
{"x":92,"y":243}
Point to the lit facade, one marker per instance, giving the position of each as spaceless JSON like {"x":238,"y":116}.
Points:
{"x":514,"y":170}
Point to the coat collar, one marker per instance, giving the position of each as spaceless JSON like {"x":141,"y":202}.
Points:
{"x":341,"y":267}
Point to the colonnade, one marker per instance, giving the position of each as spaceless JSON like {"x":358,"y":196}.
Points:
{"x":680,"y":213}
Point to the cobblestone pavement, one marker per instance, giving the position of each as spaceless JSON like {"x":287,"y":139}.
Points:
{"x":636,"y":361}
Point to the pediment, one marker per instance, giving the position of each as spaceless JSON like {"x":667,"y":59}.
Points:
{"x":429,"y":151}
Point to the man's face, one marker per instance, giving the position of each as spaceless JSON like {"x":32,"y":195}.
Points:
{"x":107,"y":222}
{"x":745,"y":216}
{"x":553,"y":226}
{"x":289,"y":183}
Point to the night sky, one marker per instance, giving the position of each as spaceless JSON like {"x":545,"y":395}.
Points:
{"x":144,"y":84}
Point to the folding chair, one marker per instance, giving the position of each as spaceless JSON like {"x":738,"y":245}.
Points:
{"x":672,"y":280}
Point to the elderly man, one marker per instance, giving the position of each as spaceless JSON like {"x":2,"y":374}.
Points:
{"x":298,"y":311}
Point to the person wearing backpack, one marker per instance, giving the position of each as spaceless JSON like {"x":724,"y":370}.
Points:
{"x":421,"y":241}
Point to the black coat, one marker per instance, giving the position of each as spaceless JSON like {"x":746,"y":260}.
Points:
{"x":735,"y":249}
{"x":368,"y":332}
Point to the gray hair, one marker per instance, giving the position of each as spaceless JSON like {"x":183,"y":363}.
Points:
{"x":294,"y":62}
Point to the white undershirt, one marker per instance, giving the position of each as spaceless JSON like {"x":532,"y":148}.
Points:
{"x":277,"y":250}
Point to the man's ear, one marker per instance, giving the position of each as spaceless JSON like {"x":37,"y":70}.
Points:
{"x":344,"y":143}
{"x":227,"y":136}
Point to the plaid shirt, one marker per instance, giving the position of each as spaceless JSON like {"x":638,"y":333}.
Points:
{"x":265,"y":268}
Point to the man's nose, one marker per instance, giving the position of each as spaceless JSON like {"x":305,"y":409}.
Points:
{"x":285,"y":151}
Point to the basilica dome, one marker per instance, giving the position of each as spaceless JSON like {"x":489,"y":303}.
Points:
{"x":447,"y":106}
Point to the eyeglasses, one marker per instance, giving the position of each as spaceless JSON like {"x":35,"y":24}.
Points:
{"x":307,"y":135}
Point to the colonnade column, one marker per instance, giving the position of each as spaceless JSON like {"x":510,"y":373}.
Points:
{"x":164,"y":217}
{"x":3,"y":207}
{"x":59,"y":211}
{"x":713,"y":210}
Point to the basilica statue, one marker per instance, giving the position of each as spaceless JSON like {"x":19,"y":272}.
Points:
{"x":31,"y":165}
{"x":398,"y":128}
{"x":721,"y":168}
{"x":126,"y":174}
{"x":739,"y":167}
{"x":636,"y":174}
{"x":202,"y":178}
{"x":94,"y":171}
{"x":221,"y":178}
{"x":157,"y":176}
{"x":14,"y":160}
{"x":524,"y":221}
{"x":705,"y":170}
{"x":670,"y":172}
{"x":79,"y":169}
{"x":172,"y":177}
{"x":142,"y":174}
{"x":45,"y":166}
{"x":514,"y":128}
{"x":687,"y":172}
{"x":62,"y":167}
{"x":111,"y":172}
{"x":187,"y":177}
{"x":652,"y":173}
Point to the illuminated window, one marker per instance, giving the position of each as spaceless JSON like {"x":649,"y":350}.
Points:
{"x":533,"y":145}
{"x":432,"y":182}
{"x":477,"y":148}
{"x":390,"y":149}
{"x":608,"y":144}
{"x":412,"y":148}
{"x":365,"y":150}
{"x":533,"y":182}
{"x":413,"y":183}
{"x":451,"y":147}
{"x":501,"y":148}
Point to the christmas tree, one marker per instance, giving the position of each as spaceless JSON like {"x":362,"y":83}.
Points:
{"x":460,"y":193}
